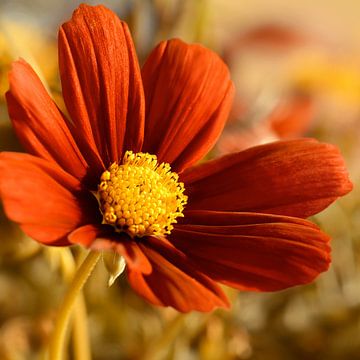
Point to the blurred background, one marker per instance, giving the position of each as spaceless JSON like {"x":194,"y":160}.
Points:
{"x":296,"y":66}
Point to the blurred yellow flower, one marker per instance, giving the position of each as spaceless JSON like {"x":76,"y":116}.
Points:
{"x":338,"y":78}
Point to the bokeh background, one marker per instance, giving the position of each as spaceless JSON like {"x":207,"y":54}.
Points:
{"x":296,"y":66}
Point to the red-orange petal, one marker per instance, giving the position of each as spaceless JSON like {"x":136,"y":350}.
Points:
{"x":101,"y":82}
{"x":292,"y":117}
{"x":273,"y":36}
{"x":259,"y":252}
{"x":294,"y":178}
{"x":224,"y":218}
{"x":174,"y":281}
{"x":188,"y":95}
{"x":87,"y":234}
{"x":43,"y":199}
{"x":103,"y":238}
{"x":39,"y":124}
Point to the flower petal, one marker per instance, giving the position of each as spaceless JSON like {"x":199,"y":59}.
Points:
{"x":101,"y":81}
{"x":292,"y":117}
{"x":39,"y":124}
{"x":253,"y":251}
{"x":87,"y":234}
{"x":174,"y":281}
{"x":44,"y":200}
{"x":295,"y":178}
{"x":188,"y":98}
{"x":224,"y":218}
{"x":102,"y":238}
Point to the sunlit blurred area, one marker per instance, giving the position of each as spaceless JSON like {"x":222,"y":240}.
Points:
{"x":296,"y":68}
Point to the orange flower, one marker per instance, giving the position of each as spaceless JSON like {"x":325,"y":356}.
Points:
{"x":239,"y":221}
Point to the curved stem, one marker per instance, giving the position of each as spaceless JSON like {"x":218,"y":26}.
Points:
{"x":82,"y":274}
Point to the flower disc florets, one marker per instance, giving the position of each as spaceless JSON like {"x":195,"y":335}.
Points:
{"x":141,"y":197}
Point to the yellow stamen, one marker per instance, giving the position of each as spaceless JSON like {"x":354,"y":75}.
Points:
{"x":141,"y":197}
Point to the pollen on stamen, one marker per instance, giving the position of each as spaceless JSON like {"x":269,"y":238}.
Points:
{"x":140,"y":196}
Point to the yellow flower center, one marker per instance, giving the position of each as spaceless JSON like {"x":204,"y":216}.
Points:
{"x":141,"y":197}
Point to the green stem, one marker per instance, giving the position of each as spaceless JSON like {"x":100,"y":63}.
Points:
{"x":62,"y":321}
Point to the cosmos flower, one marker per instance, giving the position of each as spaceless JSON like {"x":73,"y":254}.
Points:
{"x":119,"y":172}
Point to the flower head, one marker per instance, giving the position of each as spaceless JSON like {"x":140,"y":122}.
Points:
{"x":132,"y":139}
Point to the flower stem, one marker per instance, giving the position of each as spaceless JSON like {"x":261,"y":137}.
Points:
{"x":80,"y":336}
{"x":82,"y":274}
